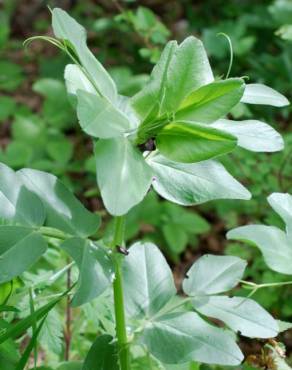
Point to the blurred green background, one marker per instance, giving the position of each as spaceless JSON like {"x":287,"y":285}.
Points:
{"x":38,"y":126}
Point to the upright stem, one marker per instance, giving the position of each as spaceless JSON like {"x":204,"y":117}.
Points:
{"x":124,"y":354}
{"x":68,"y":333}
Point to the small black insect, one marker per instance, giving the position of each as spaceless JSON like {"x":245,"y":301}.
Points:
{"x":123,"y":250}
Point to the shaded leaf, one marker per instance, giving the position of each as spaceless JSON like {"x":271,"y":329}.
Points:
{"x":64,"y":211}
{"x":95,"y":269}
{"x":103,"y":355}
{"x":20,"y":247}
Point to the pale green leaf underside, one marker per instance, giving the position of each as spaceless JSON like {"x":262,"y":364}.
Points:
{"x":123,"y":176}
{"x":240,"y":314}
{"x":148,"y":281}
{"x":182,"y":337}
{"x":189,"y":184}
{"x":262,"y":94}
{"x":273,"y":243}
{"x":99,"y":118}
{"x":75,"y":80}
{"x":66,"y":28}
{"x":282,"y":204}
{"x":252,"y":135}
{"x":213,"y":274}
{"x":17,"y":203}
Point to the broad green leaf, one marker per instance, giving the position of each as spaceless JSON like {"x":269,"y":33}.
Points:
{"x":189,"y":184}
{"x":188,"y":71}
{"x":241,"y":314}
{"x":211,"y":102}
{"x":282,"y":204}
{"x":95,"y":269}
{"x":252,"y":135}
{"x":66,"y":28}
{"x":180,"y":70}
{"x":190,"y":142}
{"x":213,"y":274}
{"x":103,"y":355}
{"x":148,"y":281}
{"x":17,"y":203}
{"x":99,"y":118}
{"x":181,"y":337}
{"x":75,"y":80}
{"x":63,"y":210}
{"x":123,"y":176}
{"x":20,"y":247}
{"x":273,"y":243}
{"x":262,"y":94}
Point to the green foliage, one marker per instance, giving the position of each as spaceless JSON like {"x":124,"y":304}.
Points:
{"x":162,"y":132}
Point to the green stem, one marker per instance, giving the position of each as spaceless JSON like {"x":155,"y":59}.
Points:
{"x":265,"y":285}
{"x":124,"y":354}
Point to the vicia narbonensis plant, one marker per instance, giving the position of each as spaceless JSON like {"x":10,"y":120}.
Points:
{"x":166,"y":137}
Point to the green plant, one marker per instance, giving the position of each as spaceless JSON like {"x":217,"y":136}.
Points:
{"x":165,"y":136}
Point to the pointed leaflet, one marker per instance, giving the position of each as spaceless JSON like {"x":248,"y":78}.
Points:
{"x":189,"y":184}
{"x":180,"y":70}
{"x":76,"y":79}
{"x":20,"y":247}
{"x":188,"y":70}
{"x":240,"y":314}
{"x":103,"y":355}
{"x":66,"y":28}
{"x":213,"y":274}
{"x":181,"y":337}
{"x":262,"y":94}
{"x":148,"y":102}
{"x":148,"y":281}
{"x":17,"y":203}
{"x":282,"y":204}
{"x":95,"y":269}
{"x":123,"y":176}
{"x":211,"y":102}
{"x":99,"y":118}
{"x":252,"y":135}
{"x":273,"y":243}
{"x":190,"y":142}
{"x":63,"y":210}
